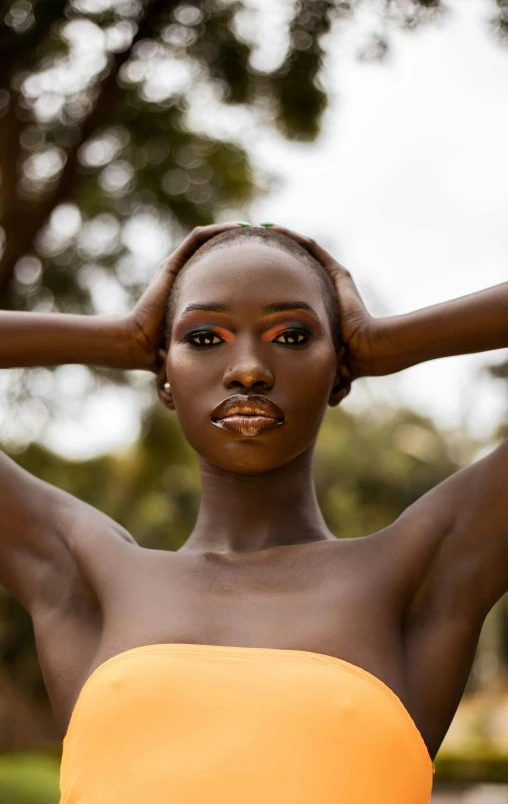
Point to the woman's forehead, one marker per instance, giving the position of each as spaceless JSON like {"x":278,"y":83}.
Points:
{"x":245,"y":269}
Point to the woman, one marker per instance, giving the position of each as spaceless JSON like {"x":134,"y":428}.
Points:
{"x":265,"y":660}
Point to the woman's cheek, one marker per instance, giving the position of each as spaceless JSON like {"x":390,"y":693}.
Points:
{"x":187,"y":370}
{"x":316,"y":376}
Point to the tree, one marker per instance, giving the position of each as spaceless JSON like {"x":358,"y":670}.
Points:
{"x":109,"y":142}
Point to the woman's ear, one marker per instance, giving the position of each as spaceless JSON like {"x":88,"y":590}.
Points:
{"x":342,"y":381}
{"x":163,"y":384}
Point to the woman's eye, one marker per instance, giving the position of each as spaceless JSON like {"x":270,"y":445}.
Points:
{"x":207,"y":338}
{"x":295,"y":337}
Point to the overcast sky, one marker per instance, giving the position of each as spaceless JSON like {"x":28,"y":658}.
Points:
{"x":408,"y":187}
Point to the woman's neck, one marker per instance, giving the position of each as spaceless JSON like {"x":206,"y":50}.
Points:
{"x":251,"y":513}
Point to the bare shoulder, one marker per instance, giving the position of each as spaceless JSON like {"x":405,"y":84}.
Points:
{"x":43,"y":530}
{"x":88,"y":543}
{"x":390,"y":560}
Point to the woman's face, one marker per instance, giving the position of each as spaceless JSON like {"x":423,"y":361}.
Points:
{"x":247,"y":348}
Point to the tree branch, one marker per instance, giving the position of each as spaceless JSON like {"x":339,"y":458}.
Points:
{"x":23,"y":221}
{"x":10,"y":131}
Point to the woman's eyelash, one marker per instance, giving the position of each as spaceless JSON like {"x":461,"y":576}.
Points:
{"x":204,"y":334}
{"x":298,"y":336}
{"x":293,"y":334}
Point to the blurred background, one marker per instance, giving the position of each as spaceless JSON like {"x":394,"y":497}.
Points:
{"x":378,"y":127}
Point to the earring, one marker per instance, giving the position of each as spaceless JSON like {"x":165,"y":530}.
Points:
{"x":167,"y":387}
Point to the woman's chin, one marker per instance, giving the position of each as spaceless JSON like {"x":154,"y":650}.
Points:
{"x":258,"y":451}
{"x":241,"y":464}
{"x":247,"y":456}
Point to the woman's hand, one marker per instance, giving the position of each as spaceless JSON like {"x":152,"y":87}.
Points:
{"x":146,"y":321}
{"x":360,"y":332}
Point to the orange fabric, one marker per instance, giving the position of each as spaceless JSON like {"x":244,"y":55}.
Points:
{"x":188,"y":724}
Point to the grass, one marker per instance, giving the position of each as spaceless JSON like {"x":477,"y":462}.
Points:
{"x":29,"y":779}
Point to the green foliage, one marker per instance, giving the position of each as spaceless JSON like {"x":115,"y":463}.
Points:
{"x":29,"y":779}
{"x":482,"y":765}
{"x":499,"y":371}
{"x":301,"y":100}
{"x":369,"y":470}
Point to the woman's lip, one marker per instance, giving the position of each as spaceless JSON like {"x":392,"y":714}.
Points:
{"x":252,"y":405}
{"x":247,"y":425}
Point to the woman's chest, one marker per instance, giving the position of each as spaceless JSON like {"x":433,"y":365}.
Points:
{"x":309,"y":599}
{"x":314,"y":598}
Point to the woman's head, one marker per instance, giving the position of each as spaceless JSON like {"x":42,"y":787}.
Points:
{"x":253,"y":313}
{"x":274,"y":239}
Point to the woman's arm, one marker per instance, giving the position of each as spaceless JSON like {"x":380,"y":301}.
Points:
{"x":127,"y":342}
{"x":474,"y":323}
{"x":36,"y":519}
{"x":51,"y":339}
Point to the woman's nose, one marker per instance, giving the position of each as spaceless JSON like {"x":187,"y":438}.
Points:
{"x":252,"y":374}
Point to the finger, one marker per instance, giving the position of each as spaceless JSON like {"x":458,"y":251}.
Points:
{"x":161,"y":376}
{"x":308,"y":243}
{"x":160,"y":362}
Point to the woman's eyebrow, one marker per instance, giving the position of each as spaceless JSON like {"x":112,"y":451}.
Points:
{"x":277,"y":307}
{"x":281,"y":306}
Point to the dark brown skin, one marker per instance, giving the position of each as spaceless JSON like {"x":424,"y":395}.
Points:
{"x":261,"y":568}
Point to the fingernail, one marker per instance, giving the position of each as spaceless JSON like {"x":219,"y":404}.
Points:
{"x":243,"y":223}
{"x":267,"y":223}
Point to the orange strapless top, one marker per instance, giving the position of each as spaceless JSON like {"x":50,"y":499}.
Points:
{"x":196,"y":724}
